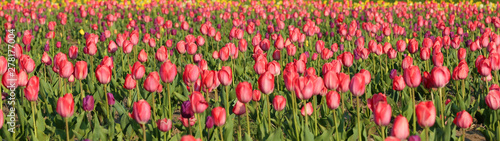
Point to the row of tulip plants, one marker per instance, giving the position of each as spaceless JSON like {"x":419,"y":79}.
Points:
{"x":249,"y":70}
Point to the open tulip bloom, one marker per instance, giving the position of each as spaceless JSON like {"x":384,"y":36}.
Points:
{"x":189,"y":70}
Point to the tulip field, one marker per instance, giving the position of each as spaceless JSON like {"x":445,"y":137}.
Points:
{"x":249,"y":70}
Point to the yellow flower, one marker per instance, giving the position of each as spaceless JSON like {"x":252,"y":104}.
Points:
{"x":82,"y":32}
{"x":307,"y":43}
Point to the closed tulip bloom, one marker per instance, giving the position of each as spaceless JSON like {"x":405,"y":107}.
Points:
{"x":65,"y":69}
{"x":266,"y":83}
{"x":244,"y":92}
{"x":138,"y":70}
{"x":331,"y":80}
{"x":130,"y":83}
{"x":462,"y":52}
{"x":279,"y":103}
{"x":437,"y":59}
{"x":375,"y":99}
{"x":112,"y":47}
{"x":198,"y":103}
{"x":188,"y":122}
{"x":181,"y":47}
{"x":32,"y":88}
{"x":143,"y":56}
{"x":9,"y":79}
{"x":209,"y":123}
{"x":392,"y":54}
{"x":413,"y":46}
{"x":88,"y":103}
{"x":400,"y":128}
{"x":309,"y":109}
{"x":273,"y":68}
{"x":164,"y":125}
{"x":127,"y":47}
{"x":357,"y":85}
{"x":463,"y":119}
{"x":256,"y":95}
{"x":401,"y":45}
{"x":301,"y":66}
{"x":225,"y":76}
{"x":152,"y":82}
{"x":382,"y":114}
{"x":347,"y":59}
{"x":141,"y":111}
{"x":111,"y":99}
{"x":412,"y":76}
{"x":73,"y":52}
{"x":367,"y":75}
{"x":484,"y":67}
{"x":108,"y":61}
{"x":81,"y":70}
{"x":191,"y":73}
{"x":493,"y":99}
{"x":276,"y":55}
{"x":318,"y":84}
{"x":219,"y":115}
{"x":161,"y":54}
{"x":4,"y":63}
{"x":439,"y":76}
{"x":260,"y":66}
{"x":188,"y":137}
{"x":461,"y":71}
{"x":239,"y":108}
{"x":425,"y":53}
{"x":66,"y":105}
{"x":27,"y":64}
{"x":398,"y":83}
{"x":304,"y":88}
{"x":22,"y":78}
{"x":192,"y":48}
{"x":407,"y":62}
{"x":344,"y":82}
{"x":168,"y":71}
{"x":391,"y":138}
{"x":426,"y":113}
{"x":332,"y":100}
{"x":103,"y":74}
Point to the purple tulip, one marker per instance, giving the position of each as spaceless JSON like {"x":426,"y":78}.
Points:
{"x":111,"y":99}
{"x":88,"y":103}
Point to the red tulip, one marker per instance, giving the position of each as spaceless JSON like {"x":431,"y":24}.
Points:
{"x":32,"y":88}
{"x":242,"y":45}
{"x":66,"y":105}
{"x":192,"y":48}
{"x":304,"y":88}
{"x":484,"y":67}
{"x":27,"y":64}
{"x":22,"y":78}
{"x":81,"y":70}
{"x":244,"y":92}
{"x":331,"y":80}
{"x":9,"y":79}
{"x":143,"y":56}
{"x":112,"y":47}
{"x":260,"y":65}
{"x":256,"y":95}
{"x":164,"y":125}
{"x":357,"y":84}
{"x":108,"y":61}
{"x":225,"y":76}
{"x":414,"y":138}
{"x":152,"y":82}
{"x":45,"y":60}
{"x":412,"y":76}
{"x":400,"y":129}
{"x":239,"y":108}
{"x":181,"y":47}
{"x":461,"y":71}
{"x":366,"y":75}
{"x":130,"y":83}
{"x":198,"y":102}
{"x":401,"y":45}
{"x":103,"y":74}
{"x":493,"y":99}
{"x":301,"y":66}
{"x":307,"y":109}
{"x":407,"y":62}
{"x":462,"y":52}
{"x":439,"y":76}
{"x":426,"y":113}
{"x":375,"y":99}
{"x":333,"y":100}
{"x":127,"y":47}
{"x":219,"y":115}
{"x":161,"y":54}
{"x":138,"y":70}
{"x":273,"y":68}
{"x":392,"y":54}
{"x":168,"y":71}
{"x":437,"y":59}
{"x":398,"y":83}
{"x":320,"y":45}
{"x":266,"y":83}
{"x":200,"y":41}
{"x":65,"y":69}
{"x":276,"y":55}
{"x":141,"y":111}
{"x":392,"y":139}
{"x":4,"y":63}
{"x":382,"y":112}
{"x":463,"y":119}
{"x":191,"y":74}
{"x":73,"y":52}
{"x":413,"y":46}
{"x":425,"y":53}
{"x":347,"y":59}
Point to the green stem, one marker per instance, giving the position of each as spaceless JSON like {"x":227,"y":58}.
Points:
{"x":34,"y":121}
{"x":199,"y":126}
{"x":442,"y":105}
{"x":81,"y":90}
{"x":358,"y":116}
{"x":383,"y":132}
{"x":248,"y":121}
{"x":227,"y":99}
{"x":144,"y":132}
{"x":107,"y":100}
{"x":268,"y":111}
{"x":168,"y":100}
{"x":67,"y":131}
{"x":221,"y":138}
{"x":315,"y":117}
{"x":414,"y":111}
{"x":335,"y":126}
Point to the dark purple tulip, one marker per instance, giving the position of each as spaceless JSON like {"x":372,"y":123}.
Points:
{"x":341,"y":47}
{"x":210,"y":122}
{"x":218,"y":26}
{"x":88,"y":103}
{"x":111,"y":99}
{"x":47,"y":47}
{"x":186,"y":109}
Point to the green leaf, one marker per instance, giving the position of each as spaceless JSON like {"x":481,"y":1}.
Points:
{"x":228,"y":128}
{"x":308,"y":135}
